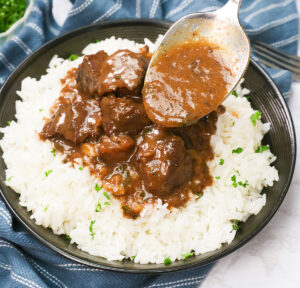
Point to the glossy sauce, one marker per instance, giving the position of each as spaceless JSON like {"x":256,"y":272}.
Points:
{"x":137,"y":161}
{"x":184,"y":84}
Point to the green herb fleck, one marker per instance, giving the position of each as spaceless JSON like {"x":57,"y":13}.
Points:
{"x":188,"y":255}
{"x":41,"y":110}
{"x":80,"y":168}
{"x":98,"y":207}
{"x":53,"y":152}
{"x":221,"y":162}
{"x":10,"y":12}
{"x":238,"y":172}
{"x":235,"y":225}
{"x":106,"y":203}
{"x":68,"y":237}
{"x":218,"y":177}
{"x":146,"y":131}
{"x":54,"y":56}
{"x":243,"y":184}
{"x":237,"y":150}
{"x":248,"y":97}
{"x":233,"y":179}
{"x":97,"y":187}
{"x":8,"y":179}
{"x":118,"y":77}
{"x":200,"y":195}
{"x":55,"y":66}
{"x":232,"y":124}
{"x":262,"y":148}
{"x":92,"y":233}
{"x":255,"y":116}
{"x":46,"y":208}
{"x":48,"y":172}
{"x":167,"y":261}
{"x":234,"y":93}
{"x":8,"y":122}
{"x":95,"y":41}
{"x":73,"y":57}
{"x":133,"y":257}
{"x":106,"y":195}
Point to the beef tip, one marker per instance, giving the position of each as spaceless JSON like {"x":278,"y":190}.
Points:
{"x":115,"y":148}
{"x":88,"y":75}
{"x":123,"y":72}
{"x":163,"y":161}
{"x":122,"y":115}
{"x":75,"y":120}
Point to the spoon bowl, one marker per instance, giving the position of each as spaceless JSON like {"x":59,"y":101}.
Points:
{"x":221,"y":28}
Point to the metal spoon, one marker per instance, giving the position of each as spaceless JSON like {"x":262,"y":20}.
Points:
{"x":221,"y":27}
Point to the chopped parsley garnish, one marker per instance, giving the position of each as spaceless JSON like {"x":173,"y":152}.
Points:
{"x":238,"y":172}
{"x":46,"y":208}
{"x":54,"y":56}
{"x":218,"y":177}
{"x":73,"y":57}
{"x":243,"y":184}
{"x":8,"y":179}
{"x":167,"y":261}
{"x":106,"y":195}
{"x":98,"y":207}
{"x":200,"y":195}
{"x":106,"y":203}
{"x":248,"y":97}
{"x":233,"y":179}
{"x":68,"y":237}
{"x":146,"y":131}
{"x":237,"y":150}
{"x":232,"y":124}
{"x":97,"y":187}
{"x":80,"y":168}
{"x":117,"y":77}
{"x":234,"y":93}
{"x":255,"y":116}
{"x":8,"y":122}
{"x":55,"y":66}
{"x":221,"y":162}
{"x":92,"y":233}
{"x":95,"y":41}
{"x":48,"y":172}
{"x":188,"y":255}
{"x":235,"y":225}
{"x":261,"y":149}
{"x":53,"y":151}
{"x":41,"y":110}
{"x":133,"y":257}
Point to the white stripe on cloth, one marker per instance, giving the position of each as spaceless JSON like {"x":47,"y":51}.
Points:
{"x":179,"y":8}
{"x":19,"y":278}
{"x":153,"y":8}
{"x":8,"y":221}
{"x":138,"y":9}
{"x":9,"y":65}
{"x":51,"y":28}
{"x":37,"y":10}
{"x":18,"y":41}
{"x":36,"y":28}
{"x":185,"y":284}
{"x":46,"y":274}
{"x":272,"y":24}
{"x":110,"y":12}
{"x":279,"y":74}
{"x":268,"y":8}
{"x":210,"y":8}
{"x":254,"y":3}
{"x":78,"y":267}
{"x":1,"y":80}
{"x":286,"y":41}
{"x":80,"y":8}
{"x":177,"y":281}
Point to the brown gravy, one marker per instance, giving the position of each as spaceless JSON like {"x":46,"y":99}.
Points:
{"x":184,"y":84}
{"x":137,"y":161}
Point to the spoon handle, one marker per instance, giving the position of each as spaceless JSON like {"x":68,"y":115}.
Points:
{"x":231,"y":8}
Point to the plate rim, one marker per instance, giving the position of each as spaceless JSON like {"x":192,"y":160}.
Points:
{"x":165,"y":269}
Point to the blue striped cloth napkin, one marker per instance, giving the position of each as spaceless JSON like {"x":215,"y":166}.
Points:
{"x":24,"y":261}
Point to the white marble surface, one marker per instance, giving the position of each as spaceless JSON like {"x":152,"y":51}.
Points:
{"x":272,"y":258}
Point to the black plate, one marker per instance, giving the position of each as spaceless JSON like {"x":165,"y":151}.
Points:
{"x":265,"y":97}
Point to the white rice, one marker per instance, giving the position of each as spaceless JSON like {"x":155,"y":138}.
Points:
{"x":66,"y":199}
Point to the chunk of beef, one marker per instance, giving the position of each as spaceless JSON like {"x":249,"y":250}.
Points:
{"x":89,"y":72}
{"x":75,"y":120}
{"x":123,"y":72}
{"x":122,"y":115}
{"x":163,"y":161}
{"x":115,"y":148}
